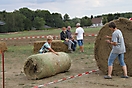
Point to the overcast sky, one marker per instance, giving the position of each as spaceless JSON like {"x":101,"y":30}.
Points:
{"x":74,"y":8}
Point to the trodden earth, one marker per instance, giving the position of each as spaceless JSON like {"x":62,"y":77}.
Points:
{"x":19,"y":50}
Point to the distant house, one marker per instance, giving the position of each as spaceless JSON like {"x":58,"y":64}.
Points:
{"x":97,"y":22}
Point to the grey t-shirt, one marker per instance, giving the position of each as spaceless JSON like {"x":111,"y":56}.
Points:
{"x":118,"y":38}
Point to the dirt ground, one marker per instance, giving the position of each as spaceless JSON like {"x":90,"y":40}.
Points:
{"x":81,"y":62}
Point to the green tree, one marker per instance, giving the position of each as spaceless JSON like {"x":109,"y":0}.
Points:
{"x":27,"y":24}
{"x":110,"y":17}
{"x":27,"y":13}
{"x":91,"y":16}
{"x":66,"y":17}
{"x":38,"y":22}
{"x":85,"y":21}
{"x":57,"y":20}
{"x":116,"y":15}
{"x":76,"y":20}
{"x":104,"y":20}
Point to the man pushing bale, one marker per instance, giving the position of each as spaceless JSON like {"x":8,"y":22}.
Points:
{"x":103,"y":49}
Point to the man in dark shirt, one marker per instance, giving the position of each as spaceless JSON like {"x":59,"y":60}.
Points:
{"x":70,"y":37}
{"x":64,"y":38}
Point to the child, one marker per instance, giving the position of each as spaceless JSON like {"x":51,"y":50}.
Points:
{"x":47,"y":46}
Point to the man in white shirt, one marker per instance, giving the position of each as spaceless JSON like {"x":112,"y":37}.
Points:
{"x":79,"y":34}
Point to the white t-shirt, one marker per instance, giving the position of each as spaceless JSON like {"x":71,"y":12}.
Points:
{"x":80,"y":32}
{"x":45,"y":47}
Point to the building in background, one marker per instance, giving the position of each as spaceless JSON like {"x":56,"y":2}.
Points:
{"x":96,"y":22}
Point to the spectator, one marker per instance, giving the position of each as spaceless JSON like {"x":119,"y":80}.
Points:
{"x":47,"y":46}
{"x":80,"y":33}
{"x":64,"y":38}
{"x":70,"y":37}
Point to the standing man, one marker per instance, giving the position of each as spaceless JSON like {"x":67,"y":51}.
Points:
{"x":118,"y":50}
{"x":80,"y":33}
{"x":70,"y":37}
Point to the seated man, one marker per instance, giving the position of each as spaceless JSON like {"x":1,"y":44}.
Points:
{"x":64,"y":38}
{"x":71,"y":38}
{"x":47,"y":46}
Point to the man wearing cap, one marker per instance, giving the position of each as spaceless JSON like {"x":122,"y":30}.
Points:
{"x":79,"y":34}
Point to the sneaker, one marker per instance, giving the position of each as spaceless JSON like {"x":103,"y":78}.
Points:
{"x":124,"y":76}
{"x":107,"y":77}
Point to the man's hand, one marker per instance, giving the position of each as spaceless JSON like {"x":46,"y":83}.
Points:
{"x":67,"y":39}
{"x":108,"y":36}
{"x":56,"y":53}
{"x":108,"y":41}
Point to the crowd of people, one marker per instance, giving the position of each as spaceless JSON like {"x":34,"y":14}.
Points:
{"x":67,"y":38}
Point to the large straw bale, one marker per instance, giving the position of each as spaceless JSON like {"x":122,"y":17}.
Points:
{"x":102,"y":49}
{"x":48,"y":64}
{"x":3,"y":46}
{"x":56,"y":45}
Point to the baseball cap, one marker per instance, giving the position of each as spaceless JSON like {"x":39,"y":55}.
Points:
{"x":78,"y":24}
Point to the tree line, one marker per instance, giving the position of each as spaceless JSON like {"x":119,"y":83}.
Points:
{"x":26,"y":19}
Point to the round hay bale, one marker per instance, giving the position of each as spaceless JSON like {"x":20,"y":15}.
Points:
{"x":102,"y":49}
{"x":44,"y":65}
{"x":3,"y":46}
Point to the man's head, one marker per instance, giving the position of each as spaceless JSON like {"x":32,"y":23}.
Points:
{"x":78,"y":25}
{"x":69,"y":28}
{"x":63,"y":28}
{"x":112,"y":25}
{"x":49,"y":38}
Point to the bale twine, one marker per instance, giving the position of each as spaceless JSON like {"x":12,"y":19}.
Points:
{"x":44,"y":65}
{"x":3,"y":46}
{"x":102,"y":49}
{"x":56,"y":45}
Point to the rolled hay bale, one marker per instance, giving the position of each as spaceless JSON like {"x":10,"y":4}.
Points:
{"x":56,"y":45}
{"x":102,"y":49}
{"x":44,"y":65}
{"x":3,"y":46}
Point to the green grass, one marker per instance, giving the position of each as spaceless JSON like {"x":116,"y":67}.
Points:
{"x":44,"y":32}
{"x":19,"y":51}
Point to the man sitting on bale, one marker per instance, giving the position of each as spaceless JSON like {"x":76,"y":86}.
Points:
{"x":64,"y":38}
{"x":47,"y":46}
{"x":74,"y":44}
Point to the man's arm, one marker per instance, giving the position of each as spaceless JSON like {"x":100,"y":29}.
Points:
{"x":112,"y":43}
{"x":76,"y":33}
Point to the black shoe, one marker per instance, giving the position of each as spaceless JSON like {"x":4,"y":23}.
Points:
{"x":124,"y":76}
{"x":107,"y":77}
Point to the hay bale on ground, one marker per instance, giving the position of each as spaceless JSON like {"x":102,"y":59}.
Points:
{"x":48,"y":64}
{"x":102,"y":49}
{"x":56,"y":45}
{"x":3,"y":46}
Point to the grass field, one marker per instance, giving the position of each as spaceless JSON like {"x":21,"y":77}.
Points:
{"x":43,"y":32}
{"x":19,"y":50}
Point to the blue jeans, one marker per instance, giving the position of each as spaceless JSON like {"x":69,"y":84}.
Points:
{"x":74,"y":45}
{"x":113,"y":56}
